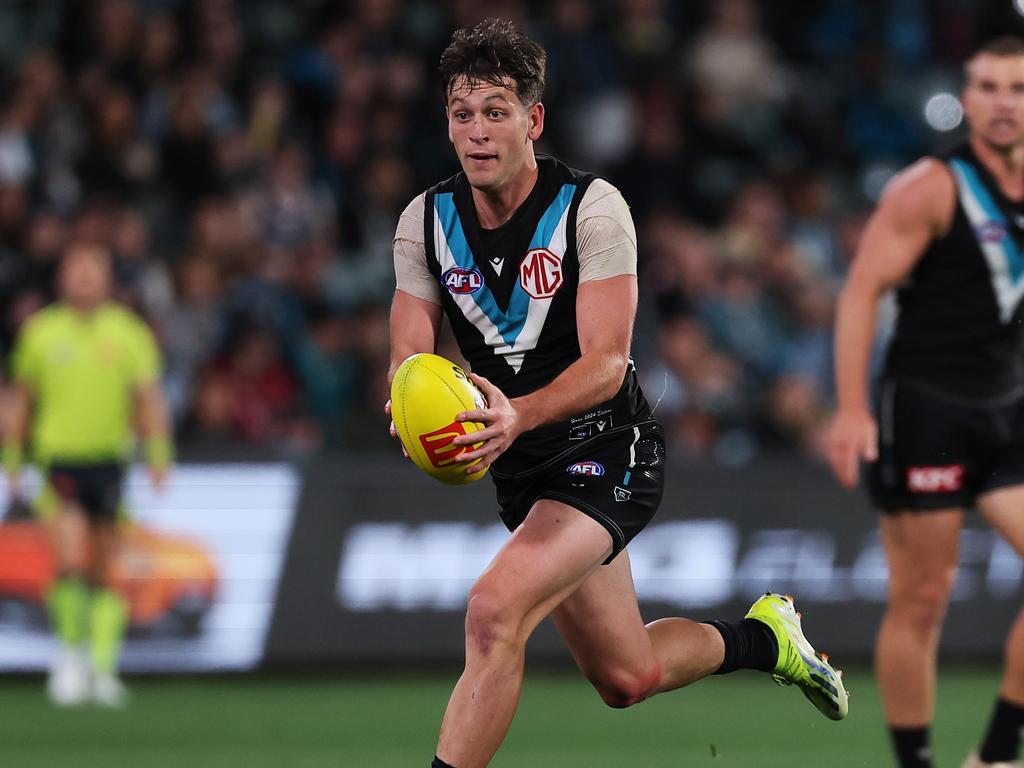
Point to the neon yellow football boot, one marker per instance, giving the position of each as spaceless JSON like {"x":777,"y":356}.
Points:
{"x":799,"y":664}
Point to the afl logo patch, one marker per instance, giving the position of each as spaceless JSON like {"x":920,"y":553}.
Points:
{"x":586,"y":468}
{"x":460,"y":280}
{"x":540,"y":274}
{"x":991,"y":231}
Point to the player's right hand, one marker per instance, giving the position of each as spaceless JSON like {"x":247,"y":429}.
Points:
{"x":852,"y":436}
{"x":392,"y":430}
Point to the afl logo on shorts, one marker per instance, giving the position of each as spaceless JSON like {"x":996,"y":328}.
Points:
{"x":460,"y":280}
{"x":540,"y":274}
{"x":990,"y":232}
{"x":586,"y":468}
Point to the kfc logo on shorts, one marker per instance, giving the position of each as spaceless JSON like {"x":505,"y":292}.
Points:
{"x":991,"y":232}
{"x":460,"y":280}
{"x":935,"y":479}
{"x":540,"y":274}
{"x":591,"y":468}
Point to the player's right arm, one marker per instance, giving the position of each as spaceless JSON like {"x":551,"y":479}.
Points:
{"x":16,"y":434}
{"x":416,"y":310}
{"x":25,"y":362}
{"x":916,"y":207}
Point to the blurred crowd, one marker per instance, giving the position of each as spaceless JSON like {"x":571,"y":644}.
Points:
{"x":246,"y":162}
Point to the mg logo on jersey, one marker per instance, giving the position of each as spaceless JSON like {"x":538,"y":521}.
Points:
{"x":540,"y":274}
{"x":439,"y":447}
{"x":586,"y":468}
{"x":935,"y":479}
{"x":461,"y":280}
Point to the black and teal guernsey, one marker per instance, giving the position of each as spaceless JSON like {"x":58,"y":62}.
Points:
{"x":960,"y":328}
{"x":510,"y":297}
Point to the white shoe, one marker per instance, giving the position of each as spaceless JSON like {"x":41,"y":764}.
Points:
{"x":973,"y":761}
{"x":68,"y":684}
{"x":109,"y":691}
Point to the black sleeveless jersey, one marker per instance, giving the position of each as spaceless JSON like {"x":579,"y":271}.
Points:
{"x":960,"y":326}
{"x":510,"y":296}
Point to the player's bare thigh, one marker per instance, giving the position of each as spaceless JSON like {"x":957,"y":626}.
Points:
{"x":1003,"y":509}
{"x":601,"y":622}
{"x":921,"y":549}
{"x":69,"y":533}
{"x":546,"y":559}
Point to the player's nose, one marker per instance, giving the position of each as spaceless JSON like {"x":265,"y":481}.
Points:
{"x":478,"y":130}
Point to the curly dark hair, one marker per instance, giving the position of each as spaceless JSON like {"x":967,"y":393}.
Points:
{"x":495,"y":51}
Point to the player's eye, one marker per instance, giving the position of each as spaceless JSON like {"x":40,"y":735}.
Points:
{"x":497,"y":114}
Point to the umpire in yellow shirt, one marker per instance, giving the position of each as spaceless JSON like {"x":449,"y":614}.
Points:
{"x":86,"y":376}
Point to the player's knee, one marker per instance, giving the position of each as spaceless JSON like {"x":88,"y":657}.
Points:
{"x":623,"y":688}
{"x":490,"y":624}
{"x":924,"y":602}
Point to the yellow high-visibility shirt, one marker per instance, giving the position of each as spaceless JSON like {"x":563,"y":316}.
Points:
{"x":83,"y":370}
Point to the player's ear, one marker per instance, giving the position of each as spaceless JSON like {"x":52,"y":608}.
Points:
{"x":535,"y":116}
{"x":448,"y":119}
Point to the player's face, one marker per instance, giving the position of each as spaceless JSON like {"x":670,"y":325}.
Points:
{"x":492,"y":132}
{"x":994,"y":100}
{"x":85,"y":279}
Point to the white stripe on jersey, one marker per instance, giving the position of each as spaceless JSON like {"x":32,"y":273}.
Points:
{"x":536,"y":314}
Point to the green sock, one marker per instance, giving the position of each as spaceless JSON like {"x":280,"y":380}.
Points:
{"x":108,"y":616}
{"x":67,"y":600}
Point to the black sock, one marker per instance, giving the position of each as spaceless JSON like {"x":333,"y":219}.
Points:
{"x":439,"y":763}
{"x":1002,"y":742}
{"x":912,"y":747}
{"x":749,"y":644}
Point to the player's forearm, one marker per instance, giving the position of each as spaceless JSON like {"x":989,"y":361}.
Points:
{"x":589,"y":381}
{"x":17,"y":430}
{"x":18,"y":417}
{"x":155,"y":426}
{"x":154,"y":415}
{"x":854,"y":337}
{"x":413,"y":325}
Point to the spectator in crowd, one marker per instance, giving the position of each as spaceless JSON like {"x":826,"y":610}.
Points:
{"x":259,"y":160}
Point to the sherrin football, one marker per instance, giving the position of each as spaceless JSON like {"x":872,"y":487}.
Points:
{"x":427,"y":393}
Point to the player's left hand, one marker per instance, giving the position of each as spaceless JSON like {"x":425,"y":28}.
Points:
{"x":502,"y":425}
{"x":158,"y":477}
{"x":392,"y":430}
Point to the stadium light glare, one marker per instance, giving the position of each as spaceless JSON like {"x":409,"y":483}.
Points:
{"x":943,"y":111}
{"x":1018,"y":6}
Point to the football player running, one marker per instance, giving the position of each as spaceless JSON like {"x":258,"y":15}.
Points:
{"x":950,"y":403}
{"x":547,"y":333}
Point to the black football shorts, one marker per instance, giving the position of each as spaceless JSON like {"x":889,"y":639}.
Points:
{"x":617,"y":480}
{"x":937,"y":451}
{"x":94,"y":487}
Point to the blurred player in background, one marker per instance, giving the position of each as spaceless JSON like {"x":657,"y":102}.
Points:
{"x":534,"y":264}
{"x":86,"y":375}
{"x":949,"y":234}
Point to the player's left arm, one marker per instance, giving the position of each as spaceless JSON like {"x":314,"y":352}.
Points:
{"x":605,"y":310}
{"x":152,"y":414}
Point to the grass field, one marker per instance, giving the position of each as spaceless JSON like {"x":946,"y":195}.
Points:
{"x":391,"y":722}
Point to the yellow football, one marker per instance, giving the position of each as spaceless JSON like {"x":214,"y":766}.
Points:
{"x":427,"y":393}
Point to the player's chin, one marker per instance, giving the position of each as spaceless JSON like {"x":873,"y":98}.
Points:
{"x":484,"y":179}
{"x":1005,"y":138}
